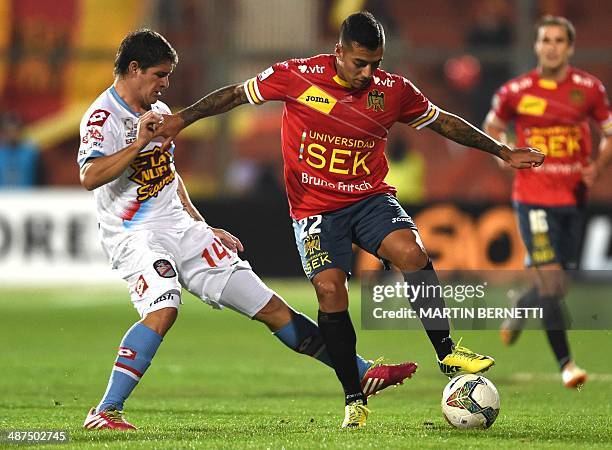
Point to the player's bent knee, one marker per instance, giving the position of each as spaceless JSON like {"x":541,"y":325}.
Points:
{"x":328,"y":289}
{"x":275,"y":314}
{"x":161,"y":320}
{"x":332,"y":295}
{"x":553,"y":282}
{"x":411,"y":258}
{"x":556,"y":291}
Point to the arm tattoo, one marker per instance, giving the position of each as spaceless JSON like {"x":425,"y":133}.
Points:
{"x":457,"y":129}
{"x":217,"y":102}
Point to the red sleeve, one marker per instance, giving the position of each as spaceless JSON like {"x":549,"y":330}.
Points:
{"x":601,"y":109}
{"x":501,"y":105}
{"x":415,"y":109}
{"x":271,"y":84}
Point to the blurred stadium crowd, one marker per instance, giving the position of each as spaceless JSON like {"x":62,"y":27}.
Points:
{"x":55,"y":57}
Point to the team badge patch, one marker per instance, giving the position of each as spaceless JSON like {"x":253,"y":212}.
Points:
{"x":164,"y":269}
{"x":141,"y":285}
{"x":312,"y":244}
{"x":128,"y":353}
{"x":376,"y":100}
{"x":577,"y":97}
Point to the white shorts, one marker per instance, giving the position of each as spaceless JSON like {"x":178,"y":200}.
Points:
{"x":156,"y":264}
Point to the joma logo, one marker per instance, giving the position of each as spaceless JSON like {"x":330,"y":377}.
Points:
{"x":313,"y":98}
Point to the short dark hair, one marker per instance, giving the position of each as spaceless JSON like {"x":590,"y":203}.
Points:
{"x":363,"y":29}
{"x":147,"y":47}
{"x":560,"y":21}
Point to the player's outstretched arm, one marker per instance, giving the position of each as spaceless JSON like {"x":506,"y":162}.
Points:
{"x":459,"y":130}
{"x":217,"y":102}
{"x":104,"y":169}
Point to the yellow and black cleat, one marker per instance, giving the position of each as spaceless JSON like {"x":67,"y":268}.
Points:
{"x":355,"y":415}
{"x":463,"y":360}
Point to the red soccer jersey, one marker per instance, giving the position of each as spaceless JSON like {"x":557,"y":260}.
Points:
{"x":553,"y":117}
{"x":333,"y":137}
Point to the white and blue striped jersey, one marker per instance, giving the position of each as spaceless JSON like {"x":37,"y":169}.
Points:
{"x":144,"y":196}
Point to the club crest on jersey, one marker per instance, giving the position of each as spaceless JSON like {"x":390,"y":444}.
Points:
{"x":127,"y":353}
{"x":141,"y":286}
{"x":164,"y":269}
{"x":153,"y":172}
{"x":312,"y":244}
{"x":376,"y":100}
{"x":577,"y":97}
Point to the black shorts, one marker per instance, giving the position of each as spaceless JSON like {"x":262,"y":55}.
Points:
{"x":551,"y":234}
{"x":324,"y":241}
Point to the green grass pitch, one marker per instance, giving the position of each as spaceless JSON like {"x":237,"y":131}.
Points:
{"x":221,"y":381}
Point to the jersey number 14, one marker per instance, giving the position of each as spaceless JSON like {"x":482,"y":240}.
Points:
{"x":219,"y":251}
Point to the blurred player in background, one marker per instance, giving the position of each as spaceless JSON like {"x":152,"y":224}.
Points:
{"x":157,"y":240}
{"x":338,"y":111}
{"x":550,"y":107}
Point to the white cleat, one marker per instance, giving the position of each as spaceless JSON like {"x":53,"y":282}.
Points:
{"x":573,"y":376}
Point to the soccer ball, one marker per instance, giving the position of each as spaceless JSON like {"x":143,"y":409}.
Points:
{"x":470,"y":401}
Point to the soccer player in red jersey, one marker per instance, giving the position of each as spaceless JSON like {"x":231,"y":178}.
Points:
{"x":338,"y":111}
{"x":550,"y":107}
